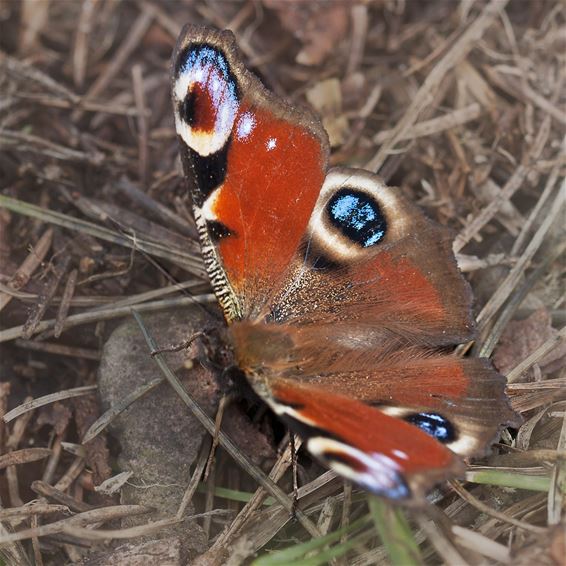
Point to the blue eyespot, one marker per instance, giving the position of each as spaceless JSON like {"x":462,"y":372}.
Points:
{"x":435,"y":425}
{"x":357,"y":216}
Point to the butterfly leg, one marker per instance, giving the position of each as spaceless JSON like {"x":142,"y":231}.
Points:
{"x":180,"y":345}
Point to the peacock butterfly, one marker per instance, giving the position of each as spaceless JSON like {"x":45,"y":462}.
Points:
{"x":341,"y":299}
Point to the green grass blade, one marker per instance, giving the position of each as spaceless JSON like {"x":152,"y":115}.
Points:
{"x":296,"y":554}
{"x":395,"y":533}
{"x":507,"y":478}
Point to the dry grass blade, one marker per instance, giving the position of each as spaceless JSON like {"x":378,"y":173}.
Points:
{"x":482,"y":544}
{"x":438,"y":537}
{"x":511,"y":281}
{"x":537,"y":355}
{"x":117,"y":534}
{"x":545,"y":195}
{"x":557,"y":491}
{"x":485,"y":347}
{"x":179,"y":257}
{"x":394,"y":532}
{"x":435,"y":125}
{"x":257,"y":499}
{"x":46,"y":400}
{"x":195,"y":478}
{"x":45,"y":297}
{"x":108,"y":416}
{"x":459,"y":104}
{"x":135,"y":35}
{"x":475,"y":502}
{"x":63,"y":310}
{"x":41,"y":146}
{"x":108,"y":314}
{"x":511,"y":186}
{"x":32,"y":509}
{"x":53,"y":494}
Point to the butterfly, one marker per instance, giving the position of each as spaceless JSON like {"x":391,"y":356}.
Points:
{"x":342,"y":300}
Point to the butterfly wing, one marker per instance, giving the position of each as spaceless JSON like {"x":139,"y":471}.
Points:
{"x":461,"y":403}
{"x":381,"y":453}
{"x":251,"y":160}
{"x":387,"y":269}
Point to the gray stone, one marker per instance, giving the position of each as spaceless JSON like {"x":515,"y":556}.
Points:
{"x":158,"y":436}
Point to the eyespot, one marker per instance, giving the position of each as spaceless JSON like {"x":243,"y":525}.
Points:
{"x":435,"y":425}
{"x":357,"y":216}
{"x":206,"y":99}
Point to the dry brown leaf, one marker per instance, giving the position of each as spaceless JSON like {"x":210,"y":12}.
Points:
{"x":318,"y":25}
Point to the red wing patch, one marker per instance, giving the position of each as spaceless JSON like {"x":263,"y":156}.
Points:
{"x":384,"y":454}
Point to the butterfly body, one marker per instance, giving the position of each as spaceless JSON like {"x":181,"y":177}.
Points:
{"x":341,"y":298}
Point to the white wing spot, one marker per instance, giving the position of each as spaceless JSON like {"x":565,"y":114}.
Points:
{"x":246,"y":125}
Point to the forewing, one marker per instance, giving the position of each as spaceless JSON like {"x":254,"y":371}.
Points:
{"x":255,"y":167}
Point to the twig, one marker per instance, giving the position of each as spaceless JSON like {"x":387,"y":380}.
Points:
{"x":30,"y":264}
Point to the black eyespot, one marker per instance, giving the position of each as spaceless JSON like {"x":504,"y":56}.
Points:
{"x":187,"y":108}
{"x":217,"y":230}
{"x":435,"y":425}
{"x":357,"y":216}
